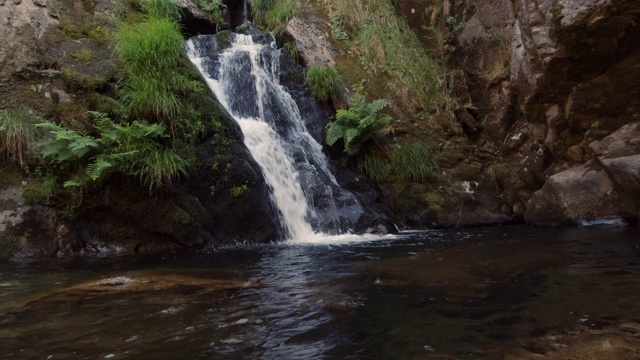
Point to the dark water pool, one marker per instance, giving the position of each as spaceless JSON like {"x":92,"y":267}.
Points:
{"x":430,"y":295}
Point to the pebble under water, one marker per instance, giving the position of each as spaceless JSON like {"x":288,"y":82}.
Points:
{"x":487,"y":293}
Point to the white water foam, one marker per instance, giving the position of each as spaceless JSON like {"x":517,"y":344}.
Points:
{"x":264,"y":143}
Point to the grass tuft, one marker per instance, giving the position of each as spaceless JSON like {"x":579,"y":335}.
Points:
{"x":161,"y":9}
{"x":274,"y":14}
{"x":374,"y":166}
{"x":324,"y":82}
{"x":415,"y":162}
{"x":17,"y":135}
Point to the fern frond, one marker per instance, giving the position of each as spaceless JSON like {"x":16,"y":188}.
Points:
{"x":335,"y":132}
{"x":97,"y":167}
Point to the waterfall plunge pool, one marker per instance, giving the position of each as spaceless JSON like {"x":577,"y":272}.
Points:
{"x":487,"y":293}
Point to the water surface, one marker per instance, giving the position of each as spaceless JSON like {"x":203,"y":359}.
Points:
{"x":437,"y":294}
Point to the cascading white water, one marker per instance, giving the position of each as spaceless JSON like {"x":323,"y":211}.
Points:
{"x":260,"y":138}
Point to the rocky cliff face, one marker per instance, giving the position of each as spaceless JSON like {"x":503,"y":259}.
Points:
{"x":41,"y":69}
{"x":547,"y":79}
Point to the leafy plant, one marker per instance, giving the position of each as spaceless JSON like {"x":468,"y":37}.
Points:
{"x":37,"y":88}
{"x":17,"y":135}
{"x":64,"y":145}
{"x":337,"y":30}
{"x":415,"y":161}
{"x":129,"y":148}
{"x":324,"y":81}
{"x":358,"y":124}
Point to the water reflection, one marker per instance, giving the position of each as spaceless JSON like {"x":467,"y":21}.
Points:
{"x":482,"y":293}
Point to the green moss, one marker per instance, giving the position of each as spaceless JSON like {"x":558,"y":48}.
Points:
{"x":72,"y":112}
{"x":223,"y":39}
{"x":41,"y":191}
{"x":182,"y":217}
{"x":238,"y":191}
{"x":79,"y":81}
{"x":83,"y":55}
{"x":432,"y":201}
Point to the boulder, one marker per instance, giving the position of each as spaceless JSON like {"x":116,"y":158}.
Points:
{"x":194,"y":20}
{"x":622,"y":142}
{"x":312,"y":41}
{"x":584,"y":192}
{"x":625,"y":173}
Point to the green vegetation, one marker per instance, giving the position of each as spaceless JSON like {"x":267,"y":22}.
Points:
{"x":157,"y":80}
{"x":161,"y":9}
{"x":358,"y":124}
{"x":238,"y":191}
{"x":497,"y":172}
{"x":337,"y":29}
{"x":324,"y":82}
{"x":274,"y":14}
{"x":129,"y":148}
{"x":374,"y":166}
{"x":415,"y":162}
{"x":17,"y":135}
{"x":213,"y":9}
{"x":292,"y":50}
{"x":83,"y":55}
{"x":391,"y":58}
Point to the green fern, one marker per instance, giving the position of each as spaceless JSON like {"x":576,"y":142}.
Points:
{"x":358,"y":124}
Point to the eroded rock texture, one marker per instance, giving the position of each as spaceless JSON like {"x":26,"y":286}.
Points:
{"x":547,"y":78}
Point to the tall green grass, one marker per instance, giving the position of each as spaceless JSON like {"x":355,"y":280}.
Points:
{"x":152,"y":47}
{"x":17,"y":135}
{"x":324,"y":82}
{"x":415,"y":161}
{"x":156,"y":84}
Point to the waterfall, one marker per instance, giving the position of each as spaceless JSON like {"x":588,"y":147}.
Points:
{"x":244,"y":76}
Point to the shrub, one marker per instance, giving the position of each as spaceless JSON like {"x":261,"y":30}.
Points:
{"x":324,"y":81}
{"x":358,"y":124}
{"x":415,"y":162}
{"x":17,"y":135}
